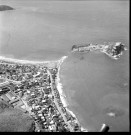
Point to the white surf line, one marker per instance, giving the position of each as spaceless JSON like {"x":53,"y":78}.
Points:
{"x":62,"y":96}
{"x":57,"y":105}
{"x":24,"y":61}
{"x":59,"y":85}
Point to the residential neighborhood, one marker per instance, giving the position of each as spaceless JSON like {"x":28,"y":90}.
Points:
{"x":32,"y":89}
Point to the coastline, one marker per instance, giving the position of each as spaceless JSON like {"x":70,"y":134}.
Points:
{"x":59,"y":62}
{"x":57,"y":81}
{"x":63,"y":96}
{"x":13,"y":60}
{"x":59,"y":84}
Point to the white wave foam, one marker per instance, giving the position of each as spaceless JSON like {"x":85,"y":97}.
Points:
{"x":23,"y":61}
{"x":59,"y":85}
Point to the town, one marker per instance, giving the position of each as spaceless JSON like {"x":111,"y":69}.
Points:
{"x":32,"y":88}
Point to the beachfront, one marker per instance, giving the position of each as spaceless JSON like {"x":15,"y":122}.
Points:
{"x":37,"y":91}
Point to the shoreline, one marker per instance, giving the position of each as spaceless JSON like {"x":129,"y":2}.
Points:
{"x":13,"y":60}
{"x":59,"y":62}
{"x":57,"y":81}
{"x":63,"y":96}
{"x":59,"y":84}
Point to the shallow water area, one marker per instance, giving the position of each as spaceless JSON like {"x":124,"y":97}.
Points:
{"x":94,"y":85}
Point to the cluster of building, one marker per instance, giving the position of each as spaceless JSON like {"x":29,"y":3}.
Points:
{"x":7,"y":95}
{"x":114,"y":50}
{"x":33,"y":89}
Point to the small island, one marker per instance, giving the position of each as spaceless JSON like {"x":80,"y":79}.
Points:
{"x":113,"y":50}
{"x":5,"y":7}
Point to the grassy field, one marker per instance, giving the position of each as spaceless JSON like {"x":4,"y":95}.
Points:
{"x":13,"y":120}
